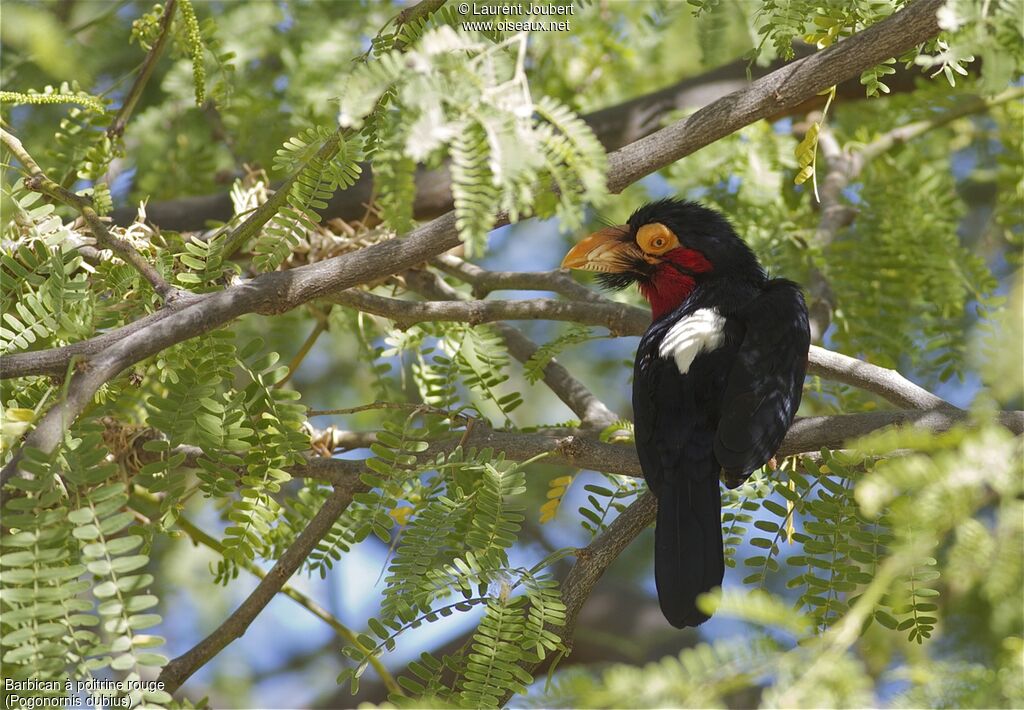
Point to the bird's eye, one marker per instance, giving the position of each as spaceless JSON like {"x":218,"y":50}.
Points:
{"x":656,"y":239}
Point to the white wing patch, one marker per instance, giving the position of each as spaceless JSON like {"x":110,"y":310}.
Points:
{"x":699,"y":332}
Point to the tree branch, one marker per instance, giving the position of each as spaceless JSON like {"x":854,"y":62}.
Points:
{"x":781,"y":90}
{"x":484,"y":281}
{"x":591,"y":563}
{"x":198,"y":536}
{"x":419,"y":11}
{"x":39,"y":182}
{"x":593,"y":413}
{"x":620,"y":320}
{"x":615,"y":127}
{"x":581,"y":450}
{"x":845,"y":166}
{"x":625,"y":320}
{"x":963,"y":108}
{"x":116,"y":129}
{"x":181,"y":668}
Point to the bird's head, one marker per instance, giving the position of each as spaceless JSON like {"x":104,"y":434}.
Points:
{"x":667,"y":248}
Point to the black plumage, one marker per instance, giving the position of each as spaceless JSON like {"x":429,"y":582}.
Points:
{"x":728,"y":411}
{"x":726,"y":416}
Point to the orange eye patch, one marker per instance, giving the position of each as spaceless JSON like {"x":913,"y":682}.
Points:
{"x":656,"y":239}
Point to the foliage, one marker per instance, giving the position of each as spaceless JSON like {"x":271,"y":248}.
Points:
{"x":863,"y":577}
{"x":73,"y":519}
{"x":473,"y":97}
{"x":66,"y":94}
{"x":930,"y":507}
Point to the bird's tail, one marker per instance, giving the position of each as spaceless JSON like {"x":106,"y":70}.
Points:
{"x":688,"y":556}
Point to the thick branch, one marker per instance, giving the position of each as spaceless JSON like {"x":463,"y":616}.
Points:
{"x":581,"y":450}
{"x":800,"y":80}
{"x":783,"y":89}
{"x":181,"y":668}
{"x":615,"y":126}
{"x":414,"y":13}
{"x":591,"y":563}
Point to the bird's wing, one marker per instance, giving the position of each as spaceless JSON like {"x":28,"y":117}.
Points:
{"x":674,"y":435}
{"x":764,"y":385}
{"x":673,"y":417}
{"x":662,"y":418}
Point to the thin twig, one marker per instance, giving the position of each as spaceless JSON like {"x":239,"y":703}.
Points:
{"x":622,"y":320}
{"x":37,"y":181}
{"x":116,"y":129}
{"x":484,"y":281}
{"x":318,"y":330}
{"x":903,"y":134}
{"x":201,"y":537}
{"x":416,"y":12}
{"x":181,"y":668}
{"x":111,"y":9}
{"x":593,"y":413}
{"x":403,"y":406}
{"x":252,"y":224}
{"x":619,"y":319}
{"x":844,"y":166}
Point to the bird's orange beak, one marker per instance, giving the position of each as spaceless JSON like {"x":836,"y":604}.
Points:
{"x":609,"y":250}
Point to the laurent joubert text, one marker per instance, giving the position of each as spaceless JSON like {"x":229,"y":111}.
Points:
{"x":540,"y":18}
{"x":73,"y":693}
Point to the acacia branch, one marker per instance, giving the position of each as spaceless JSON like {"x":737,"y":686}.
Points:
{"x":583,"y":403}
{"x":414,"y":13}
{"x":593,"y":560}
{"x":484,"y":281}
{"x":615,"y":126}
{"x":903,"y":134}
{"x":580,"y":449}
{"x":621,"y":319}
{"x":181,"y":668}
{"x":116,"y":129}
{"x":781,"y":90}
{"x":844,"y":166}
{"x":148,"y":506}
{"x":37,"y":181}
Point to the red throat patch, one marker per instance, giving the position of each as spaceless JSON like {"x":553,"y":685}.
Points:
{"x":669,"y":286}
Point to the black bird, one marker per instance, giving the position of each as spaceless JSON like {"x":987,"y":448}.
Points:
{"x":717,"y":379}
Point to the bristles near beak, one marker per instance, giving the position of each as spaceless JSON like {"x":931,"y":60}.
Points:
{"x":606,"y":251}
